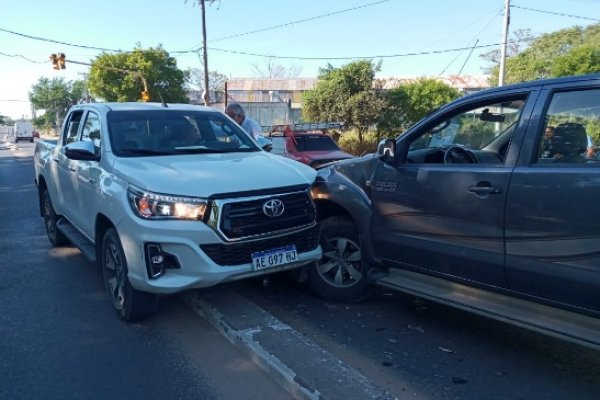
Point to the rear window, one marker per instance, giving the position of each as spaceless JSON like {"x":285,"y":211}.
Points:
{"x":315,"y":143}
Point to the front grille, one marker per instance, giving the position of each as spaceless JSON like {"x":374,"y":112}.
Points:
{"x":239,"y":253}
{"x":246,"y":218}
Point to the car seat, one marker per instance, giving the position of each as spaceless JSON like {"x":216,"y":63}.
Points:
{"x":570,"y":140}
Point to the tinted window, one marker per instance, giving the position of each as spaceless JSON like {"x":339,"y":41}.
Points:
{"x":474,"y":128}
{"x":91,"y":129}
{"x":315,"y":143}
{"x":172,"y":132}
{"x":571,"y":129}
{"x":72,"y":127}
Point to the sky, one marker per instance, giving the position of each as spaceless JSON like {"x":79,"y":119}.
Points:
{"x":245,"y":35}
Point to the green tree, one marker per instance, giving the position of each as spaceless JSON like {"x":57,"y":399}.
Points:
{"x":195,"y":81}
{"x":410,"y":102}
{"x":54,"y":96}
{"x":569,"y":51}
{"x":346,"y":95}
{"x":119,"y":77}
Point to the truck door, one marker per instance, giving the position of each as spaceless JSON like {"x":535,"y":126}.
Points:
{"x":89,"y":174}
{"x":553,"y":217}
{"x":66,"y":171}
{"x":443,"y":209}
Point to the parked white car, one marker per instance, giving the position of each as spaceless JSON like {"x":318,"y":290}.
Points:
{"x":163,"y":204}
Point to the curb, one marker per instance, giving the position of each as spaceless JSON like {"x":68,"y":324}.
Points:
{"x":302,"y":368}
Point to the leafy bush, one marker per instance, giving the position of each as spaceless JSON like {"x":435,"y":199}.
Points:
{"x":349,"y":143}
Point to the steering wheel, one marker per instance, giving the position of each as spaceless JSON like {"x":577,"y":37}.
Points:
{"x":459,"y":155}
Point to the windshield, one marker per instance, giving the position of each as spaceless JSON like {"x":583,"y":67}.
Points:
{"x":172,"y":132}
{"x":315,"y":143}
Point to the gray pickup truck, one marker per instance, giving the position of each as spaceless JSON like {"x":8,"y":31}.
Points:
{"x":489,"y":204}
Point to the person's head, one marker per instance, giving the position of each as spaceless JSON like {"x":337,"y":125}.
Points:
{"x":549,"y":132}
{"x":236,"y":112}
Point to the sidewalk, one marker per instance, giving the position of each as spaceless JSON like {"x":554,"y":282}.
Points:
{"x":301,"y":367}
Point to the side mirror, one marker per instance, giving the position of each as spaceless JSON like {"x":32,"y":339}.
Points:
{"x":386,"y":150}
{"x":84,"y":151}
{"x":264,"y":143}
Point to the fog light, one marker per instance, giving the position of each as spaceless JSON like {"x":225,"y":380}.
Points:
{"x":157,"y":261}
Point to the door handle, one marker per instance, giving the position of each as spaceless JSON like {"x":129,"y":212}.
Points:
{"x":72,"y":169}
{"x":55,"y":159}
{"x":92,"y":181}
{"x":485,"y":190}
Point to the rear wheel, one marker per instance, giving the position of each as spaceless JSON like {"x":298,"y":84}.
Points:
{"x":131,"y":304}
{"x":50,"y":219}
{"x":340,"y":275}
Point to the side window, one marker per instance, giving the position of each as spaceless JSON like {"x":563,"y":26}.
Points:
{"x":278,"y":145}
{"x":478,"y":134}
{"x":91,"y":129}
{"x":571,"y":130}
{"x":72,"y":127}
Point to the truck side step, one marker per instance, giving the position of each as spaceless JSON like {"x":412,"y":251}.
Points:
{"x":87,"y":248}
{"x":559,"y":323}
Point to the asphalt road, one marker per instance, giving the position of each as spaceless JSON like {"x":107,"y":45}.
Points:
{"x":422,"y":350}
{"x":60,"y":338}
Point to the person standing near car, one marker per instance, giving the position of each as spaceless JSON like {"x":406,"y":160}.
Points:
{"x":236,"y":112}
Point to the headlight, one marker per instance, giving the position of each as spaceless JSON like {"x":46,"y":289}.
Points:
{"x":150,"y":205}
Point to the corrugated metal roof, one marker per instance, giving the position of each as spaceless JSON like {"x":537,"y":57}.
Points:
{"x":272,"y":84}
{"x":302,"y":84}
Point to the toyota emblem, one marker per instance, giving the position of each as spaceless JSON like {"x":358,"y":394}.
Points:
{"x":273,"y":208}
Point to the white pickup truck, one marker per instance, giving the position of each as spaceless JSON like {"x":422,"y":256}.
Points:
{"x":171,"y":197}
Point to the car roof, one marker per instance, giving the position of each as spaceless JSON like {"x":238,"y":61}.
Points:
{"x":139,"y":106}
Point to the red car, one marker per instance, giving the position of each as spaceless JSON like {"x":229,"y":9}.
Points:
{"x":308,"y":143}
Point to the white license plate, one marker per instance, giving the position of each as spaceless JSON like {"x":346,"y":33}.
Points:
{"x":272,"y":258}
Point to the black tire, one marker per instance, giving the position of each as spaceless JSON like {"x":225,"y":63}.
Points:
{"x":50,"y":219}
{"x":341,"y":274}
{"x":130,"y":304}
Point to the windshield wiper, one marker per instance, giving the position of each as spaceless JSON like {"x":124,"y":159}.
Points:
{"x":145,"y":152}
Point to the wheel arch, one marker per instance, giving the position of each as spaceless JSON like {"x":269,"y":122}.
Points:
{"x":103,"y":223}
{"x":41,"y":186}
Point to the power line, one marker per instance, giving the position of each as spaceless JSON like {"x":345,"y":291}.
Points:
{"x":476,"y":37}
{"x":299,"y":21}
{"x":21,"y":56}
{"x":555,"y":13}
{"x":55,"y":41}
{"x":421,"y":53}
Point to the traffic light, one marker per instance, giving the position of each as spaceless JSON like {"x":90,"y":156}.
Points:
{"x":61,"y":59}
{"x":58,"y":60}
{"x":145,"y":95}
{"x":54,"y":60}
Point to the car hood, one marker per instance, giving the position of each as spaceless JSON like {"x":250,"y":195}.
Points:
{"x":204,"y":175}
{"x":328,"y":155}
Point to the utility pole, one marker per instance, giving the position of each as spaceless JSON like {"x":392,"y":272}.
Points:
{"x":205,"y":95}
{"x":504,"y":42}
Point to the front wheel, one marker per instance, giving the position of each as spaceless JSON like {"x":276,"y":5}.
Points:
{"x":131,"y":304}
{"x":341,"y":274}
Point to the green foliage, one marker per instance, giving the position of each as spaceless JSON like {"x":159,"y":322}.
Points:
{"x":195,"y":80}
{"x":350,"y":142}
{"x":569,"y":51}
{"x":346,"y":95}
{"x":580,"y":60}
{"x":110,"y":80}
{"x":409,"y":103}
{"x":55,"y":96}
